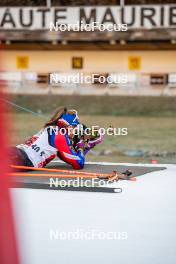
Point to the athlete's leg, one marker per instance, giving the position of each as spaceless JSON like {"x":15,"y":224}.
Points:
{"x":19,"y":157}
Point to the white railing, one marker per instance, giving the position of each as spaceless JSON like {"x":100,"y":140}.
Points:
{"x":122,"y":83}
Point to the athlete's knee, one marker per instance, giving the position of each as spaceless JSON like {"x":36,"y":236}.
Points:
{"x":79,"y":165}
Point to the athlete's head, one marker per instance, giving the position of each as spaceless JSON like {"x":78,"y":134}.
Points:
{"x":64,"y":118}
{"x":68,"y":118}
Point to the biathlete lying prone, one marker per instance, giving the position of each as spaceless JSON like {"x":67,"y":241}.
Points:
{"x":50,"y":142}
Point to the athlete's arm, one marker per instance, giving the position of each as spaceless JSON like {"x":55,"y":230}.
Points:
{"x":65,"y":151}
{"x":90,"y":143}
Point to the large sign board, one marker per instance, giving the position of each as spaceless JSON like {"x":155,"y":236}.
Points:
{"x":39,"y":18}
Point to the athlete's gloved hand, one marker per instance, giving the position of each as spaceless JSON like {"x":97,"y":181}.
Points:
{"x":92,"y":143}
{"x":80,"y":145}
